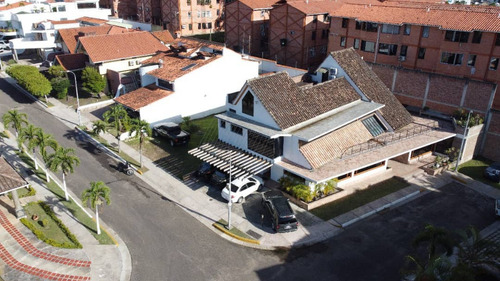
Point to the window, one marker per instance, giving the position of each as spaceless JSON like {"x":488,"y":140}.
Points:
{"x":189,"y":15}
{"x":472,"y":60}
{"x":222,"y":124}
{"x":425,"y":32}
{"x":324,"y":33}
{"x":312,"y":52}
{"x":131,"y":63}
{"x":358,"y":25}
{"x":404,"y":50}
{"x":345,"y":22}
{"x":390,"y":29}
{"x":367,"y":46}
{"x":247,"y":104}
{"x":190,"y":26}
{"x":313,"y":35}
{"x":322,"y":50}
{"x":456,"y":36}
{"x":315,"y":19}
{"x":236,"y":129}
{"x":189,"y":2}
{"x":497,"y":41}
{"x":208,"y":14}
{"x":476,"y":37}
{"x":356,"y":43}
{"x":209,"y":25}
{"x":367,"y":26}
{"x":373,"y":126}
{"x":494,"y":63}
{"x":421,"y":53}
{"x":198,"y":13}
{"x":451,"y":58}
{"x":61,"y":8}
{"x":407,"y":29}
{"x":199,"y":25}
{"x":342,"y":41}
{"x":204,"y":25}
{"x":387,"y":49}
{"x":165,"y":84}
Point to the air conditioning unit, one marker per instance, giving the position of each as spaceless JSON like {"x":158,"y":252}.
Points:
{"x":402,"y":58}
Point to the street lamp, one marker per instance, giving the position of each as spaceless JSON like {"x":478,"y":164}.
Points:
{"x":77,"y":99}
{"x":466,"y":132}
{"x":229,"y":203}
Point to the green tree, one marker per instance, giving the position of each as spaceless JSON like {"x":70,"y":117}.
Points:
{"x":45,"y":140}
{"x":99,"y":127}
{"x":60,"y":86}
{"x":141,"y":129}
{"x":63,"y":159}
{"x":117,"y":115}
{"x":31,"y":79}
{"x":438,"y":268}
{"x":436,"y":237}
{"x":57,"y":71}
{"x":475,"y":252}
{"x":93,"y":81}
{"x":15,"y":118}
{"x":97,"y":194}
{"x":29,"y":134}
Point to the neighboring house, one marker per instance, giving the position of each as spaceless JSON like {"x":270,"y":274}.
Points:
{"x":345,"y":127}
{"x":68,"y":38}
{"x":72,"y":62}
{"x":192,"y":79}
{"x":121,"y":52}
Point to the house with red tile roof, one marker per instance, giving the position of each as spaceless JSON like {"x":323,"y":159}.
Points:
{"x":345,"y":126}
{"x":120,"y":52}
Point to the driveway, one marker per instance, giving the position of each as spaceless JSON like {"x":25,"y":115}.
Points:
{"x":374,"y":249}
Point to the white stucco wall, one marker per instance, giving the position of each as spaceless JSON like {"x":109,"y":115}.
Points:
{"x":121,"y":65}
{"x":260,"y":113}
{"x":240,"y":141}
{"x":271,"y":66}
{"x":147,"y":79}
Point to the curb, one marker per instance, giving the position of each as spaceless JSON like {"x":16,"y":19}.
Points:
{"x":224,"y":230}
{"x":460,"y":179}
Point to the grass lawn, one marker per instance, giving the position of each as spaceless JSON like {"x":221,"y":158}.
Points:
{"x":24,"y":192}
{"x":359,"y":198}
{"x":80,"y":215}
{"x":52,"y":230}
{"x":216,"y":37}
{"x":234,"y":230}
{"x":475,"y":168}
{"x":176,"y":160}
{"x":84,"y":97}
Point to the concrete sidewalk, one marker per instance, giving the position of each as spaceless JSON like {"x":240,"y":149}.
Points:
{"x":106,"y":262}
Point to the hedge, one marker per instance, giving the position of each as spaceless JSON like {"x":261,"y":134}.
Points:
{"x":52,"y":242}
{"x":31,"y":79}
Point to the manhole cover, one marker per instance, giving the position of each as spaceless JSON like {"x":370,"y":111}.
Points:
{"x":254,"y":234}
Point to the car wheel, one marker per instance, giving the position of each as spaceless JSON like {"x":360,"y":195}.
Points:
{"x":171,"y":143}
{"x":272,"y":226}
{"x":240,"y":200}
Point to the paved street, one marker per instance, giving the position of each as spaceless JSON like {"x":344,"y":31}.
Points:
{"x":166,"y":243}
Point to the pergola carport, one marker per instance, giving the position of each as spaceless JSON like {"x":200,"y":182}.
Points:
{"x":222,"y":156}
{"x":10,"y":181}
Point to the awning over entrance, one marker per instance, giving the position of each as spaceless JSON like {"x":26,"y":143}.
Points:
{"x":9,"y":179}
{"x":223,"y":155}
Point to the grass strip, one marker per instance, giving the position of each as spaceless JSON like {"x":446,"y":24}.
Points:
{"x":359,"y":198}
{"x":233,"y":230}
{"x":475,"y":168}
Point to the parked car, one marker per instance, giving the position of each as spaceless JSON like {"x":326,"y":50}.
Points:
{"x":493,"y":172}
{"x":172,"y":132}
{"x":4,"y":45}
{"x":241,"y":188}
{"x":219,"y":179}
{"x":205,"y":171}
{"x":282,"y":216}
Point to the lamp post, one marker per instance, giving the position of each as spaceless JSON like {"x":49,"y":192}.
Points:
{"x":77,"y":100}
{"x":466,"y":132}
{"x":229,"y":203}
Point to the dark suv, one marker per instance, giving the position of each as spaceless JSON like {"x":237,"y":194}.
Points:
{"x":172,"y":132}
{"x":282,"y":217}
{"x":493,"y":172}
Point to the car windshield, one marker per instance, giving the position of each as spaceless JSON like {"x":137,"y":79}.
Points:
{"x":287,"y":220}
{"x":219,"y":175}
{"x":205,"y":167}
{"x":174,"y":130}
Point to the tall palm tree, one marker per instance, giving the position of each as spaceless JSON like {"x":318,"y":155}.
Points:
{"x":475,"y":252}
{"x":436,"y":237}
{"x":97,"y":194}
{"x":99,"y":127}
{"x":16,"y":118}
{"x":29,"y":134}
{"x":142,"y":129}
{"x":117,"y":115}
{"x":44,"y":140}
{"x":438,"y":268}
{"x":63,"y":159}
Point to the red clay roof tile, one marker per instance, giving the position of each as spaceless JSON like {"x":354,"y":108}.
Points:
{"x":142,"y":97}
{"x":70,"y":35}
{"x":72,"y":61}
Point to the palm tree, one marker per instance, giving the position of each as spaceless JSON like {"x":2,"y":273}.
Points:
{"x":475,"y":252}
{"x":141,"y":128}
{"x":438,"y":268}
{"x":119,"y":117}
{"x":44,"y":140}
{"x":97,"y":194}
{"x":29,"y":134}
{"x":17,"y":119}
{"x":99,"y":127}
{"x":436,"y":237}
{"x":63,"y":159}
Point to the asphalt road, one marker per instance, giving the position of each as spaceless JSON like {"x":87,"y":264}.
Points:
{"x":166,"y":243}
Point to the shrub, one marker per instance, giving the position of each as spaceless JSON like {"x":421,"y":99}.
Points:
{"x":30,"y":79}
{"x":93,"y":82}
{"x":189,"y":126}
{"x":57,"y":71}
{"x":60,"y":86}
{"x":461,"y":118}
{"x":44,"y":222}
{"x":302,"y":192}
{"x":31,"y":192}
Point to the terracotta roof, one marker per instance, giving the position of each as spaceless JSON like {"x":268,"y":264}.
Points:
{"x":290,"y":105}
{"x":9,"y":178}
{"x":141,"y":97}
{"x":108,"y":47}
{"x":257,"y":4}
{"x":332,"y":145}
{"x":164,"y":35}
{"x":195,"y":43}
{"x":117,"y":29}
{"x":92,"y":20}
{"x":63,"y":21}
{"x":175,"y":66}
{"x":72,"y":61}
{"x":370,"y":85}
{"x":70,"y":35}
{"x":448,"y":17}
{"x":14,"y":5}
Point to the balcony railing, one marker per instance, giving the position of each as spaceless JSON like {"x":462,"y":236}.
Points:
{"x":382,"y":141}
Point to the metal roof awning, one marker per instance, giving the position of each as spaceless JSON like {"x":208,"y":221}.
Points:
{"x":222,"y":156}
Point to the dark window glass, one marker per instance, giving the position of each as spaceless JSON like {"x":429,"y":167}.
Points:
{"x":345,"y":22}
{"x":165,"y":85}
{"x":476,"y":37}
{"x":456,"y":36}
{"x":342,"y":41}
{"x":367,"y":46}
{"x":247,"y":104}
{"x":425,"y":32}
{"x":404,"y":50}
{"x":387,"y":49}
{"x":358,"y":25}
{"x":421,"y":53}
{"x":313,"y":35}
{"x":494,"y":63}
{"x":451,"y":58}
{"x":222,"y":124}
{"x":356,"y":43}
{"x":190,"y":26}
{"x":407,"y":29}
{"x":497,"y":41}
{"x":236,"y":129}
{"x":390,"y":29}
{"x":472,"y":60}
